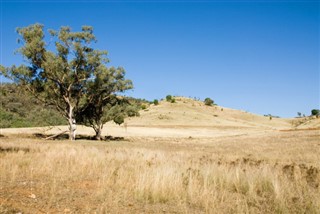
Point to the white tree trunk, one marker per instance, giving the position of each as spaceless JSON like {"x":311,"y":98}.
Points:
{"x":98,"y":131}
{"x":72,"y":124}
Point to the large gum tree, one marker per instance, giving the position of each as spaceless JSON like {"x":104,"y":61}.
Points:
{"x":58,"y":75}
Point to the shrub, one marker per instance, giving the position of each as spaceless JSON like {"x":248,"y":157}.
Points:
{"x":208,"y":101}
{"x":156,"y":102}
{"x":315,"y":112}
{"x":173,"y":100}
{"x":169,"y":98}
{"x":143,"y":107}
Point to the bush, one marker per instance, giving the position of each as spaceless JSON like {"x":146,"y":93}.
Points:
{"x":143,"y":107}
{"x":169,"y":98}
{"x":156,"y":102}
{"x":208,"y":101}
{"x":315,"y":112}
{"x":173,"y":100}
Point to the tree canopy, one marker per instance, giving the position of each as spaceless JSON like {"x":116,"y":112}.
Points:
{"x":67,"y":75}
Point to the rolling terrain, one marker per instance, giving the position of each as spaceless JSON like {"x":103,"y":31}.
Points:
{"x":181,"y":157}
{"x":187,"y":118}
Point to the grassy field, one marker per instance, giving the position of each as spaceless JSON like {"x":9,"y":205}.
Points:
{"x":272,"y":172}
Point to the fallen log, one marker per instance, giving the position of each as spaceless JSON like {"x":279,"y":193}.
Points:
{"x":56,"y":135}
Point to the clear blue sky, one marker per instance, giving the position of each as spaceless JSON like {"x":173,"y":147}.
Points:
{"x":257,"y":56}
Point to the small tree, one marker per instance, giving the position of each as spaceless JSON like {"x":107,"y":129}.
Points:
{"x":208,"y":101}
{"x":299,"y":114}
{"x":315,"y":112}
{"x":156,"y":102}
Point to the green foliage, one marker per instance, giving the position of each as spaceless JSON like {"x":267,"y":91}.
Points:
{"x":132,"y":110}
{"x":20,"y":109}
{"x":156,"y":102}
{"x":143,"y":106}
{"x":208,"y":101}
{"x":100,"y":104}
{"x":72,"y":76}
{"x":116,"y":109}
{"x":169,"y":98}
{"x":315,"y":112}
{"x":119,"y":119}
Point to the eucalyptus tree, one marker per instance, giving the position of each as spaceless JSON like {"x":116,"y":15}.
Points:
{"x":101,"y":102}
{"x":61,"y":75}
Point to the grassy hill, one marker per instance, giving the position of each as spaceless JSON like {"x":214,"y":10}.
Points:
{"x":186,"y":112}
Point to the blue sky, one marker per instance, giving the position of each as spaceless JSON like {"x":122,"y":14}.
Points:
{"x":257,"y":56}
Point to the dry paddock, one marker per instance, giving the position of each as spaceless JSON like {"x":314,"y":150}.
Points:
{"x":271,"y":172}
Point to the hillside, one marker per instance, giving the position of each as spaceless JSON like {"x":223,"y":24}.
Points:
{"x":187,"y":118}
{"x":20,"y":109}
{"x":186,"y":112}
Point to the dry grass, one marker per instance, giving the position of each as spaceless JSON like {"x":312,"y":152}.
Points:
{"x":273,"y":173}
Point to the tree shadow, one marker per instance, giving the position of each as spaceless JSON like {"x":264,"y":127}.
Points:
{"x":78,"y":137}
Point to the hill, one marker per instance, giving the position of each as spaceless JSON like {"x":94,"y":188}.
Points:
{"x":188,"y":118}
{"x":186,"y":112}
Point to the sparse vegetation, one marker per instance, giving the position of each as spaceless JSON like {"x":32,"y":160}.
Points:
{"x":270,"y":115}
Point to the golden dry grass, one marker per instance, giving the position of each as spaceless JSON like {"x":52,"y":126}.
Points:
{"x":272,"y":172}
